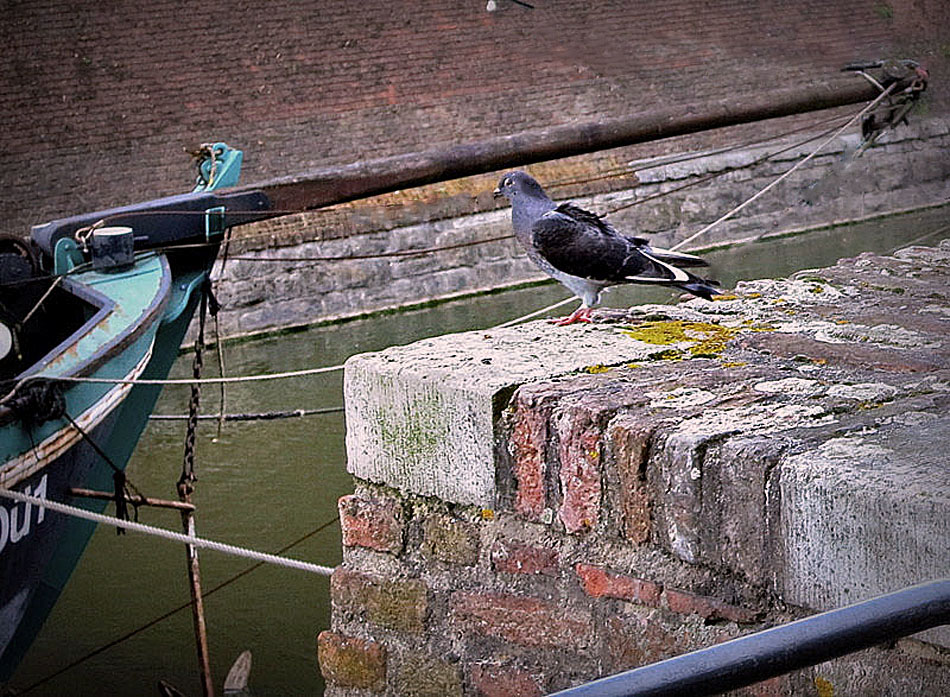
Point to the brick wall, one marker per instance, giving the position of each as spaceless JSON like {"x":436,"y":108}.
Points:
{"x":100,"y":99}
{"x":739,"y":464}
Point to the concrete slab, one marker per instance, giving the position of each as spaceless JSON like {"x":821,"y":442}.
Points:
{"x":422,"y":418}
{"x":864,"y":515}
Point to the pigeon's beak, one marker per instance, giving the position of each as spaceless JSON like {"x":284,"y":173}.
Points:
{"x":497,"y":193}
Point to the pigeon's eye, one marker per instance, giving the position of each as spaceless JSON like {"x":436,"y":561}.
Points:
{"x":507,"y":182}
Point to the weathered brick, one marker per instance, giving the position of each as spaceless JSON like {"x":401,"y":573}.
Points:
{"x":651,"y":635}
{"x":580,"y":471}
{"x":521,"y":620}
{"x":352,"y":662}
{"x":629,"y":439}
{"x":510,"y":557}
{"x":599,"y":583}
{"x":373,"y":523}
{"x":451,"y":540}
{"x":421,"y":675}
{"x":502,"y":681}
{"x":400,"y":605}
{"x":528,"y":443}
{"x":707,"y":607}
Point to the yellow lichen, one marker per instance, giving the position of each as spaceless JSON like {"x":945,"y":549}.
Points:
{"x":700,"y":339}
{"x":596,"y":369}
{"x":824,"y":687}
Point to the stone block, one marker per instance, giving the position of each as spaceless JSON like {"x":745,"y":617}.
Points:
{"x":372,"y":523}
{"x":521,"y":620}
{"x":401,"y":605}
{"x":351,"y":662}
{"x":867,"y":514}
{"x":421,"y":675}
{"x":423,"y":418}
{"x":451,"y":540}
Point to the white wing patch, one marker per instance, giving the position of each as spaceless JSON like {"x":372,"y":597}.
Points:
{"x":679,"y":276}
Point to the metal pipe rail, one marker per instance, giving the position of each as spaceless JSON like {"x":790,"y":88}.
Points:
{"x":763,"y":655}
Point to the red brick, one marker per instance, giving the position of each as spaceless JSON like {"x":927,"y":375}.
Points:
{"x":521,"y":620}
{"x":372,"y":523}
{"x":351,"y":662}
{"x":512,"y":557}
{"x":500,"y":681}
{"x":579,"y":455}
{"x":707,"y":607}
{"x":599,"y":583}
{"x":650,"y":635}
{"x":400,"y":605}
{"x":629,"y":440}
{"x":528,"y":442}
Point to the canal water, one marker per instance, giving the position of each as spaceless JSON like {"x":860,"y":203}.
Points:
{"x":266,"y":484}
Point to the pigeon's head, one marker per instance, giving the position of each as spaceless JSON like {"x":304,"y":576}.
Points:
{"x":518,"y":184}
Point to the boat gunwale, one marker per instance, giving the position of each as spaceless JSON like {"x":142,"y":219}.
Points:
{"x":118,"y":343}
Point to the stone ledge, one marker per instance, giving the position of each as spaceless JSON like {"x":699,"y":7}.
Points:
{"x":788,"y":437}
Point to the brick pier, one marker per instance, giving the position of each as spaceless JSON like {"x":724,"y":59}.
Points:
{"x":539,"y":506}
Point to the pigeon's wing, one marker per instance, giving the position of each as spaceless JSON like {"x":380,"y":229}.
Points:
{"x":582,"y":244}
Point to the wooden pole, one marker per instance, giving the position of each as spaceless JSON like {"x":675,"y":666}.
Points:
{"x":197,"y":603}
{"x":338,"y":184}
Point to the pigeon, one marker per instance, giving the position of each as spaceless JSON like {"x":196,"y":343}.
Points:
{"x":585,"y":253}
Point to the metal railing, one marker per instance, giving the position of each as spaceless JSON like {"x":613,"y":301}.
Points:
{"x":766,"y":654}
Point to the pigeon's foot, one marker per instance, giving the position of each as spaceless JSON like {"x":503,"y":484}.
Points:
{"x":581,"y":314}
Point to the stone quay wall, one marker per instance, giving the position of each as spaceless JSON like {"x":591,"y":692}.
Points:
{"x":909,"y":168}
{"x":538,"y":506}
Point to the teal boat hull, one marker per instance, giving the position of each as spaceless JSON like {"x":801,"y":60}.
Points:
{"x":39,"y":552}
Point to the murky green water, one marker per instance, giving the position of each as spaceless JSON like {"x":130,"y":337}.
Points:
{"x":265,"y":484}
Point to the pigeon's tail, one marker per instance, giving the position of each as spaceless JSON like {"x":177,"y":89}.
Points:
{"x":699,"y":287}
{"x":665,"y":269}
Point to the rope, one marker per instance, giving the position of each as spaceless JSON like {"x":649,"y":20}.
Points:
{"x":784,"y":176}
{"x":161,"y":618}
{"x":742,"y":205}
{"x":258,"y":416}
{"x":378,"y":255}
{"x":200,"y":542}
{"x":518,"y":320}
{"x":191,"y":381}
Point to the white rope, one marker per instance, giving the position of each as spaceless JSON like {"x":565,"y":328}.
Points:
{"x":166,"y":534}
{"x":190,"y":381}
{"x":782,"y":178}
{"x":725,"y":217}
{"x":518,"y":320}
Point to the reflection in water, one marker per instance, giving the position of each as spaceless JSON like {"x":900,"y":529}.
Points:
{"x":265,"y":484}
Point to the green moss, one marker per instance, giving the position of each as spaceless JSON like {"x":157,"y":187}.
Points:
{"x":416,"y":434}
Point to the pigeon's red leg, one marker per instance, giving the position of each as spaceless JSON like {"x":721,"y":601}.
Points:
{"x":581,"y":314}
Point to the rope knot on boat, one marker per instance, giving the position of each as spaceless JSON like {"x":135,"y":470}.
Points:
{"x":38,"y":401}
